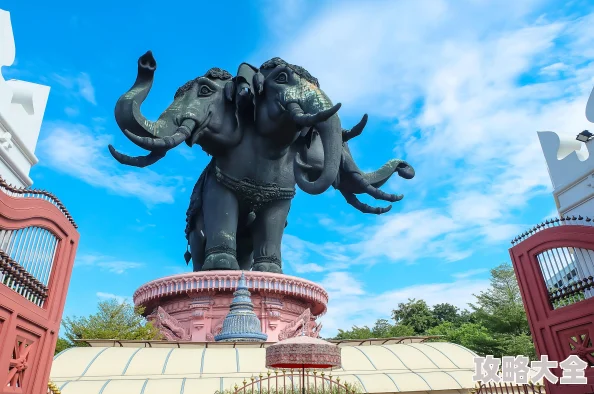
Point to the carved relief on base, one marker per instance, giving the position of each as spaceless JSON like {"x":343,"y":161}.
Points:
{"x":303,"y":324}
{"x":273,"y":307}
{"x":169,"y":326}
{"x":216,"y":330}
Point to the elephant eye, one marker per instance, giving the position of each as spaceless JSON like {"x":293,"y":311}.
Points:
{"x":282,"y":78}
{"x":205,"y":91}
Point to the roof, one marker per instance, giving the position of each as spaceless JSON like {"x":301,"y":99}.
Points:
{"x":133,"y":367}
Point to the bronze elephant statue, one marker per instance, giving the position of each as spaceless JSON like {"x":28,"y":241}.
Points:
{"x":268,"y":130}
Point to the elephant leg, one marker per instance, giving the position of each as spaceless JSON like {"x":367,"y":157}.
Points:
{"x":245,"y":249}
{"x":197,"y":241}
{"x":268,"y":231}
{"x":220,"y":210}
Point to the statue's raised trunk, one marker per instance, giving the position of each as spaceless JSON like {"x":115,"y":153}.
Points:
{"x":127,"y":109}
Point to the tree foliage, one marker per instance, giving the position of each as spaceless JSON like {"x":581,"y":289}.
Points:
{"x":113,"y":320}
{"x":382,"y":329}
{"x":495,"y":323}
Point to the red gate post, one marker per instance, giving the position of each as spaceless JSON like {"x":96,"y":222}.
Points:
{"x":554,"y":265}
{"x":38,"y":241}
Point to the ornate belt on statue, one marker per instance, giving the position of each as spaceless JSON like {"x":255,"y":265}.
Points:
{"x":253,"y":193}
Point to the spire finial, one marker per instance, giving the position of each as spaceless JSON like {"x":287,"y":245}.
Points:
{"x":242,"y":283}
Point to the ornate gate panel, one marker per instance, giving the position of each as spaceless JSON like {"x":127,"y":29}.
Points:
{"x":38,"y":241}
{"x":554,"y":264}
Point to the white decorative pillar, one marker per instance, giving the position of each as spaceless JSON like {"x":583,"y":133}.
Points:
{"x":22,"y":105}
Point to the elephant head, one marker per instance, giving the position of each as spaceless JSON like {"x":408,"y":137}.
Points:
{"x":289,"y":100}
{"x":202,"y":112}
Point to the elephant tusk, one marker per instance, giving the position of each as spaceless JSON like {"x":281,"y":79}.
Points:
{"x":169,"y":142}
{"x":355,"y":131}
{"x":138,"y":161}
{"x":302,"y":119}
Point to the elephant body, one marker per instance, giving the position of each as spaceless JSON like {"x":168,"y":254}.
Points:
{"x":269,"y":130}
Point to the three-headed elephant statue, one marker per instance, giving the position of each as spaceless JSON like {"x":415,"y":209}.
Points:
{"x":258,"y":126}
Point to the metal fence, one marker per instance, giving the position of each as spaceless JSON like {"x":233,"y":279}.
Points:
{"x":27,"y":257}
{"x":508,"y":388}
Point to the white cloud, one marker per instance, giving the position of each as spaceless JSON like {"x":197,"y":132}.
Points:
{"x":468,"y":274}
{"x":71,"y":111}
{"x":85,"y":88}
{"x":351,"y":304}
{"x":79,"y":86}
{"x":107,"y":263}
{"x":119,"y":298}
{"x":462,"y":80}
{"x":74,"y":150}
{"x":554,"y":69}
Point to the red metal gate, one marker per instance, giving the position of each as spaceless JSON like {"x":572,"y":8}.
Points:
{"x":554,"y":264}
{"x":38,"y":241}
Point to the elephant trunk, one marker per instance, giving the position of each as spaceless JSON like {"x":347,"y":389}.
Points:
{"x":379,"y":177}
{"x":127,"y":110}
{"x":330,"y":130}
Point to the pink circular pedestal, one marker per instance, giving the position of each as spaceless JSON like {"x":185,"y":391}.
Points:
{"x":192,"y":306}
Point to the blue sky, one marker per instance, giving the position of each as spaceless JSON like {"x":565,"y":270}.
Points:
{"x":457,"y":88}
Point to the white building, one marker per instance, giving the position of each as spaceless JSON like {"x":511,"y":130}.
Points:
{"x":572,"y":172}
{"x":571,"y":167}
{"x":22,"y":105}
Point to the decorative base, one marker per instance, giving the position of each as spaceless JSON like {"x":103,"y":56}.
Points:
{"x":192,"y":306}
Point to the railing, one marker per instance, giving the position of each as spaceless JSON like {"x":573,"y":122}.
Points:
{"x":291,"y":382}
{"x":36,"y":193}
{"x":13,"y":275}
{"x":27,"y":257}
{"x":550,"y":223}
{"x":568,"y":272}
{"x":508,"y":388}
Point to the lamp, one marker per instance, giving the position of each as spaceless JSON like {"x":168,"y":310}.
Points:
{"x":584,"y":136}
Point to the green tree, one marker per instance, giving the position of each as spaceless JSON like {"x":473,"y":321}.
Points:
{"x":446,"y":313}
{"x":382,"y":329}
{"x":500,"y":307}
{"x":415,"y":314}
{"x":355,"y":333}
{"x":496,"y":325}
{"x":113,"y":320}
{"x":470,"y":335}
{"x":62,"y":345}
